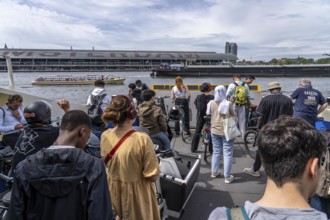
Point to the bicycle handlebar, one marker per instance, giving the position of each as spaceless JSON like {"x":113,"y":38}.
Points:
{"x":163,"y":97}
{"x":173,"y":152}
{"x":5,"y":178}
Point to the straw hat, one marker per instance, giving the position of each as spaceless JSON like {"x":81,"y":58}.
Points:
{"x":274,"y":85}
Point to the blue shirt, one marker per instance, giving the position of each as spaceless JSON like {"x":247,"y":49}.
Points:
{"x":307,"y":102}
{"x":8,"y":121}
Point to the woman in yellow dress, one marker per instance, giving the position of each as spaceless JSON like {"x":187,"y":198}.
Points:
{"x":133,"y":168}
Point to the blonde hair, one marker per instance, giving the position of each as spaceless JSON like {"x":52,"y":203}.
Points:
{"x":179,"y":83}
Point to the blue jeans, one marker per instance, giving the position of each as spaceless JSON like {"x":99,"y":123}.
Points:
{"x":226,"y":147}
{"x":162,"y":137}
{"x":97,"y":130}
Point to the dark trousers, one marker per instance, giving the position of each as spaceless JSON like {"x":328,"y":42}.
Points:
{"x":257,"y":162}
{"x":185,"y":105}
{"x":199,"y":124}
{"x":247,"y":114}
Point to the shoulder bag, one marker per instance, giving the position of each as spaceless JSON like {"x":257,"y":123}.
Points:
{"x":230,"y":128}
{"x":112,"y":152}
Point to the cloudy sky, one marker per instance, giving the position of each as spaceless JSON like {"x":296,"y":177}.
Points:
{"x":262,"y":29}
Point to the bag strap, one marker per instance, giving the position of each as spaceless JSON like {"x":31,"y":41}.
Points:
{"x":112,"y":152}
{"x":101,"y":99}
{"x":238,"y":213}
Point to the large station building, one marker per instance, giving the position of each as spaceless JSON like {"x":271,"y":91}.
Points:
{"x":44,"y":60}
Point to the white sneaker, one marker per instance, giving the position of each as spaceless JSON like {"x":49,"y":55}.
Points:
{"x":214,"y":175}
{"x":251,"y":172}
{"x":229,"y":179}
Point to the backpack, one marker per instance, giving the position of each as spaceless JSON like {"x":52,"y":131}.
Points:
{"x":237,"y":213}
{"x":95,"y":111}
{"x":240,"y":94}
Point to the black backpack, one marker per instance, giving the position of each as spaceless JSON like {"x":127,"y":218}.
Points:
{"x":95,"y":111}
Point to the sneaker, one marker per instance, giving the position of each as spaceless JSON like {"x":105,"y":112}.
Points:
{"x":214,"y":175}
{"x":229,"y":179}
{"x":251,"y":172}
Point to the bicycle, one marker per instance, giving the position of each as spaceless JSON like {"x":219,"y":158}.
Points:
{"x":206,"y":140}
{"x":251,"y":135}
{"x":177,"y":114}
{"x":161,"y":104}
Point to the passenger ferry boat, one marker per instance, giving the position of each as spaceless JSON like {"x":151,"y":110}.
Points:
{"x":77,"y":79}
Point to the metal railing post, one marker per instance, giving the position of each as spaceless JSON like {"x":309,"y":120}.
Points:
{"x":10,"y":72}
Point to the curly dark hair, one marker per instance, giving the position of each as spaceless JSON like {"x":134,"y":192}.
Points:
{"x":14,"y":97}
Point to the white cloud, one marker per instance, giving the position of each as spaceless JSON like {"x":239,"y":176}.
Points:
{"x":262,"y":29}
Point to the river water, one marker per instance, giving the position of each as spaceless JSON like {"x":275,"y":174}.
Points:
{"x":79,"y":93}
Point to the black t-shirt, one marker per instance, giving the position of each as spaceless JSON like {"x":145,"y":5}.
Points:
{"x":273,"y":106}
{"x":32,"y":139}
{"x":201,"y":104}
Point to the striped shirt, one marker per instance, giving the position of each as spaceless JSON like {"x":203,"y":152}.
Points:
{"x":274,"y":105}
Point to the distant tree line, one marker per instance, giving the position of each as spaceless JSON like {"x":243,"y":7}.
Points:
{"x":299,"y":60}
{"x":288,"y":61}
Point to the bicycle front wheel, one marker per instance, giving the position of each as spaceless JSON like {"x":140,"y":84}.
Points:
{"x":250,"y":143}
{"x":186,"y":138}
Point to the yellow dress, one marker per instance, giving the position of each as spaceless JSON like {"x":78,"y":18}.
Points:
{"x":133,"y":197}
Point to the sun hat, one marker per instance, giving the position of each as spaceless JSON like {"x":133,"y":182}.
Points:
{"x":274,"y":85}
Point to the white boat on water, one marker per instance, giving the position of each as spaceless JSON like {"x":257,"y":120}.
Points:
{"x":76,"y":79}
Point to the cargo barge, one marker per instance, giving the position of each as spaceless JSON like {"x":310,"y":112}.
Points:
{"x":310,"y":70}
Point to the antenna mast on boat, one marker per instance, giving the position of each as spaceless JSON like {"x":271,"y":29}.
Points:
{"x":10,"y":70}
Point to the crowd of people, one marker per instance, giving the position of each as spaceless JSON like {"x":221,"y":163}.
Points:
{"x":51,"y":172}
